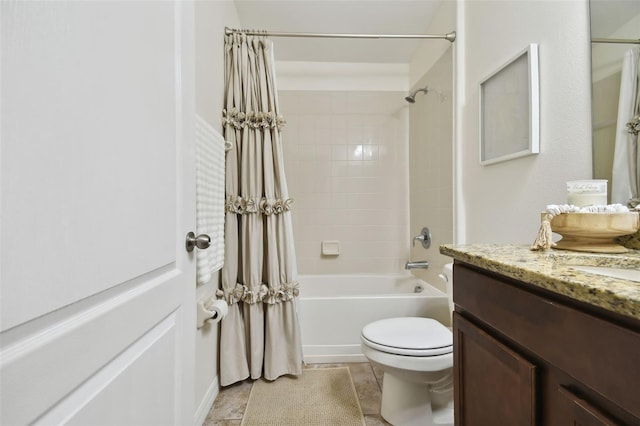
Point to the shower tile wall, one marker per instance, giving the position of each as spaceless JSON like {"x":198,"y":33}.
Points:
{"x":346,"y":160}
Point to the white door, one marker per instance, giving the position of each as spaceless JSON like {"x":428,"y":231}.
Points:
{"x":97,"y":194}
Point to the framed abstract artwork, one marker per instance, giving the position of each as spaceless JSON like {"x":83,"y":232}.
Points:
{"x":510,"y":109}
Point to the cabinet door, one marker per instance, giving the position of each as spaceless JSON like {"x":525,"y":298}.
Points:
{"x":493,"y":384}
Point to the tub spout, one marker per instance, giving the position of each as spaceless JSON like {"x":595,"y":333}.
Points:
{"x":420,"y":264}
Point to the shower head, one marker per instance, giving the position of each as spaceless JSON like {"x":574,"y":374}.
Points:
{"x":412,"y":97}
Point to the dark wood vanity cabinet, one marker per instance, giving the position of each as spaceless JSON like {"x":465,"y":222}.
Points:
{"x":525,"y":356}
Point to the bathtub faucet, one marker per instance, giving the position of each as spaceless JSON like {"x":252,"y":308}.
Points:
{"x":420,"y":264}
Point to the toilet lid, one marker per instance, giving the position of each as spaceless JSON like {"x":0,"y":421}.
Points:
{"x":411,"y":336}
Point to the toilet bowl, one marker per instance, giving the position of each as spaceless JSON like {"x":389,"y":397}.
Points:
{"x":416,"y":356}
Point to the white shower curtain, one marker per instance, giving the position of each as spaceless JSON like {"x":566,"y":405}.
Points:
{"x":626,"y":173}
{"x":260,"y":335}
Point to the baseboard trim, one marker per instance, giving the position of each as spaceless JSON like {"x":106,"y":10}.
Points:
{"x":207,"y":402}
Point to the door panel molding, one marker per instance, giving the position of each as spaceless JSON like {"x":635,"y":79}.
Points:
{"x":89,"y":392}
{"x":36,"y":371}
{"x":58,"y":317}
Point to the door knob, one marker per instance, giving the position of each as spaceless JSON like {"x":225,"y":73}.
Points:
{"x":202,"y":241}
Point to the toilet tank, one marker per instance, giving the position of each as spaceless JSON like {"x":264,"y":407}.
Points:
{"x":447,"y":277}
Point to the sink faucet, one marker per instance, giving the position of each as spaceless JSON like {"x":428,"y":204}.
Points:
{"x":420,"y":264}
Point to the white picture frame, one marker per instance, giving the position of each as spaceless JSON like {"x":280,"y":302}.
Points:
{"x":509,"y":106}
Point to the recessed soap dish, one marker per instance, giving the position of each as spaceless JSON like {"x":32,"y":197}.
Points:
{"x":330,"y":248}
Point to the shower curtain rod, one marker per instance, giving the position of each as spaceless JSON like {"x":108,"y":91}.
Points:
{"x":449,"y":36}
{"x":616,"y":40}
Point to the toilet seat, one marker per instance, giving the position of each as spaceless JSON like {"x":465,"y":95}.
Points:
{"x":409,"y":336}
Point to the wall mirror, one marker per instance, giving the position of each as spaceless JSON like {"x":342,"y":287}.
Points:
{"x":618,"y":23}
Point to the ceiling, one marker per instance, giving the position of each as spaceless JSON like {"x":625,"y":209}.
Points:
{"x":373,"y":17}
{"x":346,"y":16}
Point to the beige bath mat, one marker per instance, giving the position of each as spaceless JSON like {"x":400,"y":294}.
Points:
{"x":320,"y":396}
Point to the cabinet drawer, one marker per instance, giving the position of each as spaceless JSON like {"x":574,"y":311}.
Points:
{"x":602,"y":355}
{"x":583,"y":413}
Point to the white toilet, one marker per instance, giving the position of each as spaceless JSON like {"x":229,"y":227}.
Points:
{"x":416,"y":355}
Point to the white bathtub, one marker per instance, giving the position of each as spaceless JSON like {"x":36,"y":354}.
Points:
{"x":334,"y":308}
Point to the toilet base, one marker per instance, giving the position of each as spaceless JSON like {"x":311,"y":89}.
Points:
{"x":409,"y":404}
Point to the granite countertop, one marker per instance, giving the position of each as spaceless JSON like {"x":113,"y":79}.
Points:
{"x":552,"y":270}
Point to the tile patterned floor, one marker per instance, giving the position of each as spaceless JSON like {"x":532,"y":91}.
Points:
{"x":229,"y":406}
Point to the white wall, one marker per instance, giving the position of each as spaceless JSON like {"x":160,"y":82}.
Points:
{"x":211,"y":18}
{"x":501,"y":202}
{"x":443,"y":22}
{"x":341,"y":76}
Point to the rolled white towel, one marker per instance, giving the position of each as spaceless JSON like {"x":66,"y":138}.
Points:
{"x":556,"y":209}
